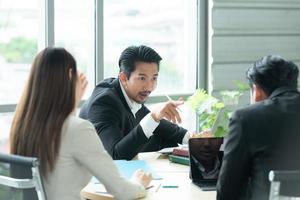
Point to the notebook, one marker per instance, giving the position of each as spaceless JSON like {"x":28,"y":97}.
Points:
{"x":205,"y":161}
{"x":127,"y":168}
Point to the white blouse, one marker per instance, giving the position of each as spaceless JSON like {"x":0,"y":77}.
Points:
{"x":82,"y":155}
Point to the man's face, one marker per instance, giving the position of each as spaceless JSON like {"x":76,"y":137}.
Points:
{"x":142,"y":81}
{"x":257,"y":94}
{"x":205,"y":149}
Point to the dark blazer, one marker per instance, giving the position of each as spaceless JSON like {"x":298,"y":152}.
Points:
{"x":197,"y":175}
{"x":120,"y":132}
{"x":262,"y":137}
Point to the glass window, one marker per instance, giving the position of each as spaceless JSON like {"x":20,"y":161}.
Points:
{"x":169,"y":27}
{"x":74,"y":30}
{"x":5,"y":123}
{"x":19,"y":29}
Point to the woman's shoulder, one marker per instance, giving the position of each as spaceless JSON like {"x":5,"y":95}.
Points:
{"x":77,"y":125}
{"x":80,"y":138}
{"x":77,"y":121}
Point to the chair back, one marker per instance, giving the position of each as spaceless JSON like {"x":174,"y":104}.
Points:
{"x":285,"y":185}
{"x":20,"y":178}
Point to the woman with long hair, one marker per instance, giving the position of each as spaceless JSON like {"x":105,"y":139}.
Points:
{"x":69,"y":149}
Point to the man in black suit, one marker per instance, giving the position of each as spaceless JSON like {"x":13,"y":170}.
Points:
{"x":265,"y":135}
{"x":206,"y":157}
{"x":116,"y":108}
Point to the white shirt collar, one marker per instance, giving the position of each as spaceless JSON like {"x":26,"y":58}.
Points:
{"x":134,"y":106}
{"x":211,"y":174}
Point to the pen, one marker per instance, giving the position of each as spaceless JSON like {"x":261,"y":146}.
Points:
{"x":170,"y":186}
{"x":158,"y":187}
{"x":149,"y":187}
{"x":169,"y":98}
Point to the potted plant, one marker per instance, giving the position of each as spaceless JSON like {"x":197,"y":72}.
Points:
{"x":213,"y":113}
{"x":231,"y":97}
{"x":207,"y":109}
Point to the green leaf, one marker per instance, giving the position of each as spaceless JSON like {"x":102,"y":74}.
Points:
{"x":207,"y":108}
{"x":242,"y":87}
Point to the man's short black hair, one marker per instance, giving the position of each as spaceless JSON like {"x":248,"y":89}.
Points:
{"x":134,"y":54}
{"x":272,"y":72}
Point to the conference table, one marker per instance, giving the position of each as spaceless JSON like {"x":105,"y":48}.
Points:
{"x":173,"y":174}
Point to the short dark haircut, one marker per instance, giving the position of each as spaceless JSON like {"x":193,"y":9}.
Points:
{"x":134,"y":54}
{"x":272,"y":72}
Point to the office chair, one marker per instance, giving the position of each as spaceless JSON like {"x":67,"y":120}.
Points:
{"x":285,"y":185}
{"x":20,"y":178}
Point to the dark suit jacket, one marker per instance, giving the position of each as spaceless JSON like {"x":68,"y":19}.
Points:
{"x":262,"y":137}
{"x":120,"y":132}
{"x":197,"y":175}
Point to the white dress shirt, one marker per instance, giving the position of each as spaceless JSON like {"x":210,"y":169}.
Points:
{"x":213,"y":174}
{"x":148,"y":124}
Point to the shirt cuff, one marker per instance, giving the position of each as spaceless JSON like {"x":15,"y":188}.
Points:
{"x":148,"y":125}
{"x":186,"y":138}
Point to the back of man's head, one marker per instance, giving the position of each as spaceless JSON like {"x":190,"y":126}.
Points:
{"x":272,"y":72}
{"x":134,"y":54}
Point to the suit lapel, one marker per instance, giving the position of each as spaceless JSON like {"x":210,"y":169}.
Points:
{"x":130,"y":115}
{"x":117,"y":86}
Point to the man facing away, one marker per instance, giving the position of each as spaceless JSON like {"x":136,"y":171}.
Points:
{"x":116,"y":108}
{"x":265,"y":135}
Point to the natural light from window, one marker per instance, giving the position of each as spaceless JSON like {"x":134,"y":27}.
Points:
{"x":19,"y":29}
{"x":169,"y":27}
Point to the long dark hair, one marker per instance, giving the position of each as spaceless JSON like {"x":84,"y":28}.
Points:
{"x":48,"y":99}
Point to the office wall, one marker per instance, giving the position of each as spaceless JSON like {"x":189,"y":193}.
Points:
{"x":246,"y":30}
